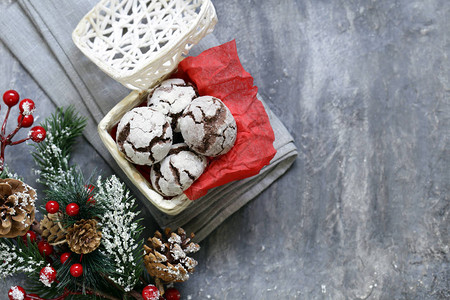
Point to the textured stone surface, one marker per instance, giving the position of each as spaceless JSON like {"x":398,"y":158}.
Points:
{"x":364,"y":88}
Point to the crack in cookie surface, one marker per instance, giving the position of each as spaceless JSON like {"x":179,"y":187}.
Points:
{"x":177,"y":171}
{"x":144,"y":136}
{"x":171,"y":98}
{"x":208,"y":126}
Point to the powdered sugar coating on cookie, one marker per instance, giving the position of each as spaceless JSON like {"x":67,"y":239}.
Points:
{"x":144,"y":136}
{"x":171,"y":98}
{"x":208,"y":127}
{"x":176,"y":173}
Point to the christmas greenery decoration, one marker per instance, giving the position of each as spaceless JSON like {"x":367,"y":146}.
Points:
{"x":25,"y":119}
{"x":120,"y":220}
{"x":16,"y":257}
{"x":99,"y":252}
{"x":53,"y":154}
{"x":111,"y":270}
{"x":6,"y":173}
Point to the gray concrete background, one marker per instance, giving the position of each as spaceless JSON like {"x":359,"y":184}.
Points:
{"x":364,"y":88}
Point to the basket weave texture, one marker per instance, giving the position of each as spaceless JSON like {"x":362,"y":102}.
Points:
{"x":139,"y":42}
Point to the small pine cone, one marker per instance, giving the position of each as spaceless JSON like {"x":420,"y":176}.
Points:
{"x":166,"y":257}
{"x":52,"y":230}
{"x":17,"y":210}
{"x":83,"y":237}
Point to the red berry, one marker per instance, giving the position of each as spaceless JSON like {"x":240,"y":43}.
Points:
{"x":64,"y":257}
{"x":52,"y":207}
{"x":16,"y":293}
{"x":30,"y":234}
{"x":172,"y":294}
{"x":27,"y":120}
{"x":45,"y":248}
{"x":26,"y":107}
{"x":72,"y":209}
{"x":150,"y":292}
{"x":76,"y":270}
{"x":47,"y":275}
{"x":11,"y":98}
{"x":37,"y":134}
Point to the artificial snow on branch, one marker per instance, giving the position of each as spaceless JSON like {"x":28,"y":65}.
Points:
{"x":121,"y":231}
{"x":52,"y":155}
{"x":16,"y":257}
{"x":92,"y":248}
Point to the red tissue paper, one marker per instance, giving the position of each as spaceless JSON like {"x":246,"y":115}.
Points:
{"x":218,"y":72}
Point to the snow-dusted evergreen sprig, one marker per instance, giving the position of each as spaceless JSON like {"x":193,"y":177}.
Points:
{"x":121,"y":232}
{"x":53,"y":154}
{"x":116,"y":265}
{"x":7,"y":173}
{"x":17,"y":258}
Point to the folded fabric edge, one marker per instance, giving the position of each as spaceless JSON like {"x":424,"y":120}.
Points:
{"x":245,"y":196}
{"x":232,"y":194}
{"x":216,"y":195}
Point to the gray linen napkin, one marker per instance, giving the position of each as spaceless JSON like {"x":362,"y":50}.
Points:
{"x":39,"y":35}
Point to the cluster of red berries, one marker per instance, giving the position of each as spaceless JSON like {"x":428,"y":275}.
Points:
{"x":25,"y":119}
{"x":151,"y":292}
{"x":48,"y":274}
{"x":76,"y":270}
{"x":72,"y":209}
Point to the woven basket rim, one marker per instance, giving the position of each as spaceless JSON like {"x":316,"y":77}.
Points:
{"x":121,"y":74}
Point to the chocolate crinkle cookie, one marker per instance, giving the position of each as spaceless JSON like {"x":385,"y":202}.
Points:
{"x":144,"y":136}
{"x":175,"y":173}
{"x":171,"y":98}
{"x":208,"y":127}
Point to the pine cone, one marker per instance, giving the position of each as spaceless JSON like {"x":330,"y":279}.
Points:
{"x":52,"y":230}
{"x":83,"y":237}
{"x":17,"y":208}
{"x":166,"y":257}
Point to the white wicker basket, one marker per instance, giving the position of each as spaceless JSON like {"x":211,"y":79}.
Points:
{"x":171,"y":207}
{"x":140,"y":43}
{"x":137,"y":42}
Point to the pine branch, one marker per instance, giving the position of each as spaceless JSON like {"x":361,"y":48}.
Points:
{"x":120,"y":220}
{"x":77,"y":192}
{"x":94,"y":265}
{"x":114,"y":268}
{"x":18,"y":257}
{"x":7,"y":173}
{"x":91,"y":285}
{"x":53,"y":154}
